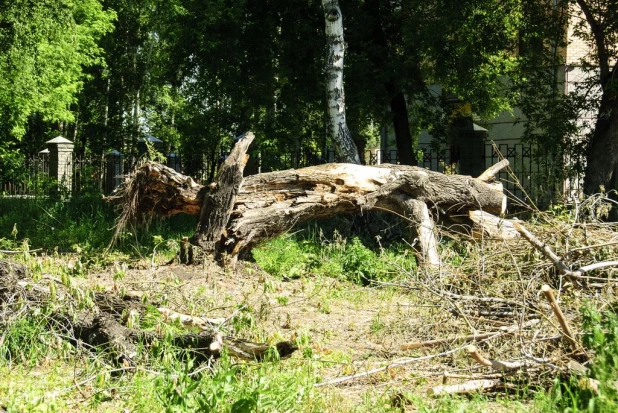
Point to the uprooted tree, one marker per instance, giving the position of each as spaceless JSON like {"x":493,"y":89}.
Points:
{"x":236,"y":212}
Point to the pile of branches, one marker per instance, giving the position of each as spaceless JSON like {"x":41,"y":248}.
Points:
{"x":518,"y":301}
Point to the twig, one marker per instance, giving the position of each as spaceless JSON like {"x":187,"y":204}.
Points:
{"x":589,"y":247}
{"x":10,"y":252}
{"x":378,"y":370}
{"x":407,"y":361}
{"x":501,"y":366}
{"x":481,"y":299}
{"x":542,"y":247}
{"x":557,"y":261}
{"x":598,"y":265}
{"x":189,"y":320}
{"x":471,"y":337}
{"x":566,"y":329}
{"x":446,"y":375}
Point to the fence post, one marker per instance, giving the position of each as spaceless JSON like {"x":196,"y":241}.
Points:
{"x":114,"y":169}
{"x":61,"y":162}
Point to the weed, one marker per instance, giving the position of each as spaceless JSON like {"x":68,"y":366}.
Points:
{"x":27,"y":340}
{"x":601,"y":338}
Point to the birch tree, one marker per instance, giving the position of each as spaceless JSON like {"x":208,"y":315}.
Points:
{"x":339,"y":132}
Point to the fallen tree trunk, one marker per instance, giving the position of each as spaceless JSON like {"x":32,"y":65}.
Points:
{"x":269,"y":204}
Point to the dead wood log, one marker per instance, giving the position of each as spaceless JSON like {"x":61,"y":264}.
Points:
{"x":488,"y":226}
{"x":238,"y":213}
{"x":564,"y":324}
{"x":219,"y":201}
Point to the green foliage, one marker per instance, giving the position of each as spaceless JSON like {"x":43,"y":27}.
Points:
{"x":601,"y":339}
{"x":25,"y":340}
{"x":85,"y":225}
{"x":45,"y":47}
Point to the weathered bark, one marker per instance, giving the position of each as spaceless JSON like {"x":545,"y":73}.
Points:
{"x":219,"y":201}
{"x":424,"y":227}
{"x":269,"y":204}
{"x":487,"y":226}
{"x":339,"y":132}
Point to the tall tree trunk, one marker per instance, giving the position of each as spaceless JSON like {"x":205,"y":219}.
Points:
{"x":340,"y":134}
{"x":397,"y":103}
{"x":602,"y":155}
{"x":401,"y":123}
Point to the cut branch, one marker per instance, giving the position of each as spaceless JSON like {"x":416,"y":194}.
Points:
{"x":557,"y":261}
{"x":564,"y":324}
{"x":463,"y":388}
{"x":471,"y":337}
{"x":490,"y":226}
{"x":497,"y":365}
{"x":491,"y":172}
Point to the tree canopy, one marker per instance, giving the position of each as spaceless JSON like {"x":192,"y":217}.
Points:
{"x":106,"y":72}
{"x":46,"y":47}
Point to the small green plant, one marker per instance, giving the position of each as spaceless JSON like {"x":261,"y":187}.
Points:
{"x":291,"y":257}
{"x":25,"y":340}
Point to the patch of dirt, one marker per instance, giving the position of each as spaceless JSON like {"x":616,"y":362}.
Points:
{"x":351,"y":328}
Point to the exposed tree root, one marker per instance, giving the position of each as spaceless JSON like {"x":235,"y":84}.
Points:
{"x":102,"y":325}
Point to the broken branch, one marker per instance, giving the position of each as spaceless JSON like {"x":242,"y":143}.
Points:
{"x":566,"y":329}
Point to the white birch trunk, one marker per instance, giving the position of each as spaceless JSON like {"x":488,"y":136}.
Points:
{"x":340,"y":134}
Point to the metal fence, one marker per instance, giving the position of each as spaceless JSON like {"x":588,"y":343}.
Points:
{"x":528,"y":179}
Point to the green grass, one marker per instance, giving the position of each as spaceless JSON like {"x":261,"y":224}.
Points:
{"x":84,"y":225}
{"x":309,"y":252}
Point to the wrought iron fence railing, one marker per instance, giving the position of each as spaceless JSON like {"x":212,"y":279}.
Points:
{"x":529,"y":179}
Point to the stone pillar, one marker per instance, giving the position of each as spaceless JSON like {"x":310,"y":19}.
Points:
{"x":173,"y":161}
{"x":61,"y":162}
{"x":114,"y":168}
